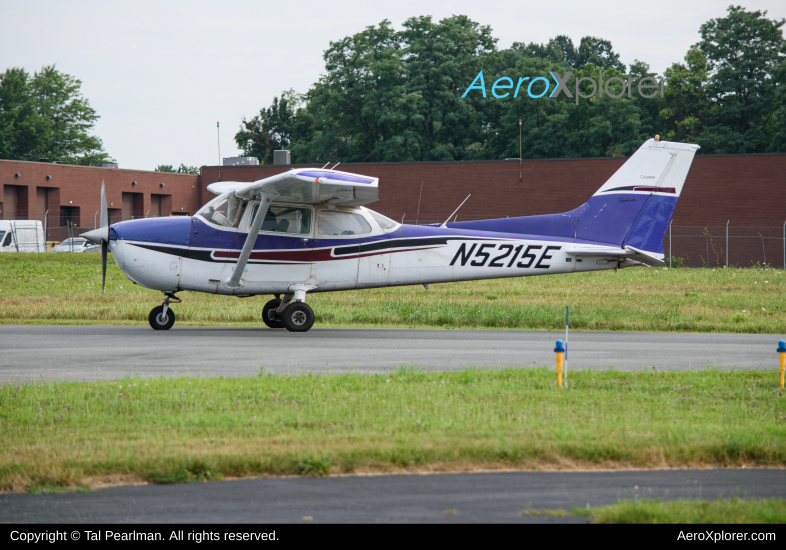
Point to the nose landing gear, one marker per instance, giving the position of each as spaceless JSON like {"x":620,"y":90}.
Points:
{"x":162,"y":317}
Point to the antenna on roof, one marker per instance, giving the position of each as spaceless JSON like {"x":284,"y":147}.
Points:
{"x":444,"y":224}
{"x":339,"y":162}
{"x":326,"y":165}
{"x":218,"y":133}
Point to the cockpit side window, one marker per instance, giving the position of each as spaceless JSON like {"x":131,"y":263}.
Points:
{"x":333,"y":222}
{"x":284,"y":219}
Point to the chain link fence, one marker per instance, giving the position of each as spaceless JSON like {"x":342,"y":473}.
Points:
{"x":709,"y":245}
{"x":59,"y":228}
{"x":726,"y":246}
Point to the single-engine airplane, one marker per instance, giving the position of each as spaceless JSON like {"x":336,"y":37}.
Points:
{"x":308,"y":230}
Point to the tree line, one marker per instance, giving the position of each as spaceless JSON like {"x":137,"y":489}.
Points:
{"x":44,"y":115}
{"x":396,"y":95}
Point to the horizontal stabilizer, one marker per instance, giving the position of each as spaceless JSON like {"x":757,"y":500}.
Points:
{"x":628,"y":253}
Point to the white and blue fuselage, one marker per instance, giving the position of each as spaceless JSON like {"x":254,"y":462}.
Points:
{"x":313,"y":234}
{"x":190,"y":253}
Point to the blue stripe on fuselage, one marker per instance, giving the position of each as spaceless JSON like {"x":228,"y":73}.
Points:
{"x":609,"y":219}
{"x":193,"y":232}
{"x":175,"y":230}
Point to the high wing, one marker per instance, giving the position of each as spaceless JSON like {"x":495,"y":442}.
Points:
{"x":307,"y":186}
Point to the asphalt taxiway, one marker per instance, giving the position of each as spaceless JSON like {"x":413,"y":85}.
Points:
{"x":444,"y":498}
{"x":90,"y":352}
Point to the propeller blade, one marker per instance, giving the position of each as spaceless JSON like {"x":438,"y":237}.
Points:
{"x":104,"y":247}
{"x":104,"y":210}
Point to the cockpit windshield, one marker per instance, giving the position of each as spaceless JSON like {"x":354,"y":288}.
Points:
{"x":226,"y":210}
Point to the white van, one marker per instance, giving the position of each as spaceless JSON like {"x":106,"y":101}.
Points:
{"x":22,"y":236}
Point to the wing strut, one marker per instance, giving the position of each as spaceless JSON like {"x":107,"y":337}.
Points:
{"x":251,"y":239}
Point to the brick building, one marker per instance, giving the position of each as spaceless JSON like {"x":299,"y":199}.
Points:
{"x":742,"y":190}
{"x":72,"y":194}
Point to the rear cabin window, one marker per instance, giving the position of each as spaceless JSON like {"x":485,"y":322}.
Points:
{"x":332,"y":222}
{"x":383,"y":221}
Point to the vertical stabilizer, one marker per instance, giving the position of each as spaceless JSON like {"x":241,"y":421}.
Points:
{"x":632,"y":208}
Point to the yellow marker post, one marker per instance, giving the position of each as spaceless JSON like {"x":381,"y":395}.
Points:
{"x":782,"y":358}
{"x":560,"y":351}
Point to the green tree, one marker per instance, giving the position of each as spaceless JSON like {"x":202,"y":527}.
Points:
{"x":393,"y":96}
{"x":183,"y":169}
{"x":165,"y":168}
{"x":46,"y":116}
{"x":390,"y":95}
{"x":688,"y":106}
{"x":560,"y":49}
{"x":598,"y":52}
{"x":361,"y":108}
{"x":778,"y":143}
{"x":745,"y":55}
{"x":22,"y":131}
{"x":648,"y":109}
{"x":441,"y":59}
{"x":270,"y":130}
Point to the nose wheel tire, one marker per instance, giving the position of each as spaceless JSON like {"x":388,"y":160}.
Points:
{"x":298,"y":317}
{"x":160,"y":322}
{"x":269,"y":315}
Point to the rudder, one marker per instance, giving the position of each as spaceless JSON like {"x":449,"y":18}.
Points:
{"x":632,"y":208}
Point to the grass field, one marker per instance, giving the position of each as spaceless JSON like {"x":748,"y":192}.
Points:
{"x":64,"y":434}
{"x":691,"y":512}
{"x":66,"y":288}
{"x":641,"y":511}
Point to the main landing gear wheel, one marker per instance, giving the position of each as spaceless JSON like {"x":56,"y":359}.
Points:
{"x":269,"y":315}
{"x":298,"y":317}
{"x":160,"y":320}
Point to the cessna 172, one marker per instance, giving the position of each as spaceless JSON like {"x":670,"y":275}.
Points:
{"x":307,"y":230}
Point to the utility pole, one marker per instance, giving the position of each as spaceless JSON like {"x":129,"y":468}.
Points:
{"x":218,"y":134}
{"x":519,"y":149}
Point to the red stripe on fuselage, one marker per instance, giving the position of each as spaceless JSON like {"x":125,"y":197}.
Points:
{"x":305,"y":256}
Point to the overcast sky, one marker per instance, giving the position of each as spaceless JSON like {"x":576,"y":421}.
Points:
{"x":160,"y":74}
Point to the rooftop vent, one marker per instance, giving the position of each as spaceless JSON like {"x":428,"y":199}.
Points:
{"x":281,"y":157}
{"x":241,"y":161}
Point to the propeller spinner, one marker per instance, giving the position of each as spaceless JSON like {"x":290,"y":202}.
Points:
{"x":101,"y":235}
